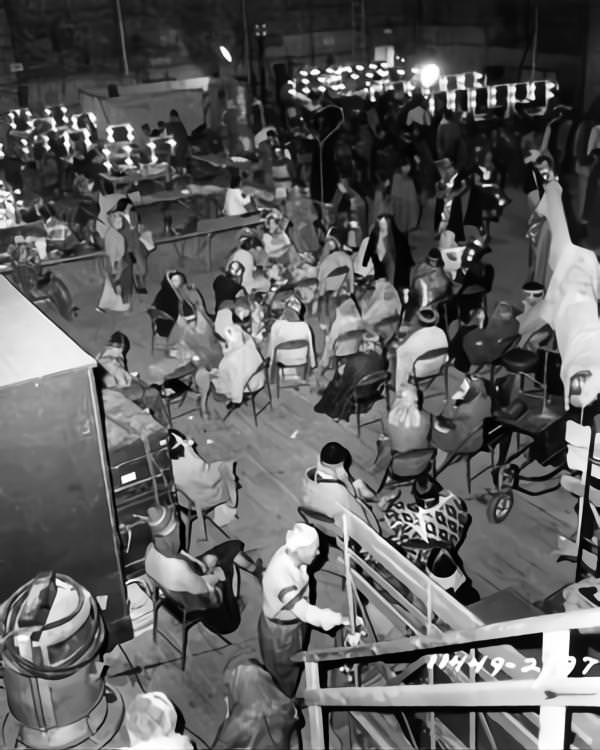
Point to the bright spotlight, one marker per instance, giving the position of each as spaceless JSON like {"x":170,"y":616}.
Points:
{"x":430,"y":74}
{"x":226,"y":54}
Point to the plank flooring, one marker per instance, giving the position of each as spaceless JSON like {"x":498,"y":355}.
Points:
{"x":271,"y":461}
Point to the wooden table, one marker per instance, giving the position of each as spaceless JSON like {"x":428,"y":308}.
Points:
{"x":183,"y":196}
{"x":208,"y":228}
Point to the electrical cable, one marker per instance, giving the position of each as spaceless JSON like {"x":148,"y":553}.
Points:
{"x":134,"y":671}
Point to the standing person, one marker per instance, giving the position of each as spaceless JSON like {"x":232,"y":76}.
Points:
{"x":286,"y":612}
{"x":448,"y":137}
{"x":405,"y":202}
{"x":449,"y":191}
{"x":389,"y":252}
{"x":177,"y":129}
{"x":134,"y":246}
{"x":118,"y":278}
{"x":483,"y":205}
{"x":236,"y":201}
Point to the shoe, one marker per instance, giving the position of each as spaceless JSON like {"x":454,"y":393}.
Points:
{"x":100,"y":310}
{"x":142,"y":290}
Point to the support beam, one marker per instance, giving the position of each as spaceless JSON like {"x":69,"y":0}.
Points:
{"x":574,"y":691}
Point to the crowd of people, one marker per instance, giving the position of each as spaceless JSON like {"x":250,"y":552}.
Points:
{"x":327,"y":290}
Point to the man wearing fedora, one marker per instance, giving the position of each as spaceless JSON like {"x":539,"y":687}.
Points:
{"x":209,"y":582}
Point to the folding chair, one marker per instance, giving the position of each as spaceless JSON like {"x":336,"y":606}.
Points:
{"x":186,"y":617}
{"x":250,"y":395}
{"x":428,"y":366}
{"x":281,"y":361}
{"x":346,"y":345}
{"x":155,"y":315}
{"x":405,"y":466}
{"x":369,"y":389}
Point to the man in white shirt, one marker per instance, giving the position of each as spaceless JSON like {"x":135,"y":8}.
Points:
{"x":286,"y":611}
{"x":236,"y":201}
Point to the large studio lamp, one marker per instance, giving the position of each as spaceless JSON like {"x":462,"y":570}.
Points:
{"x":429,"y":75}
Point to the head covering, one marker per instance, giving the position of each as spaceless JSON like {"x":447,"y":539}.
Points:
{"x":294,"y":303}
{"x":434,"y":257}
{"x":235,"y":268}
{"x":442,"y":569}
{"x":121,"y":205}
{"x":447,"y":240}
{"x":150,"y":716}
{"x":443,"y":164}
{"x":427,"y":316}
{"x":333,"y":454}
{"x":503,"y":311}
{"x":426,"y":491}
{"x":405,"y":409}
{"x":302,"y":535}
{"x":274,"y":214}
{"x":161,"y":520}
{"x":370,"y":341}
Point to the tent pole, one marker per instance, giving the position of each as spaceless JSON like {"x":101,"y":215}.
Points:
{"x":122,"y":37}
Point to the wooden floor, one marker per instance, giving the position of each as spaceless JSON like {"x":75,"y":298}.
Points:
{"x":271,"y":462}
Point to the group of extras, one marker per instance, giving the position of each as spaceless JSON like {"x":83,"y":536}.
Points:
{"x":378,"y":312}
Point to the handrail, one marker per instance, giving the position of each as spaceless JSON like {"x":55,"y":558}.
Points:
{"x":464,"y":639}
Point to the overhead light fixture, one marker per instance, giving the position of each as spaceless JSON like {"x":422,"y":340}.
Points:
{"x":430,"y":75}
{"x":226,"y":54}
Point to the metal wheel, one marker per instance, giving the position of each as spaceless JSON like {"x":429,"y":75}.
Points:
{"x":499,"y":506}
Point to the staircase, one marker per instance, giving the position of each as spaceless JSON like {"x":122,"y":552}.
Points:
{"x":442,"y":678}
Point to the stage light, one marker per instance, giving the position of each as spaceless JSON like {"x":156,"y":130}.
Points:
{"x":225,"y":54}
{"x":315,"y":72}
{"x":430,"y":75}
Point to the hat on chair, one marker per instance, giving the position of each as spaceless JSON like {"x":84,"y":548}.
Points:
{"x":161,"y":519}
{"x":333,"y":454}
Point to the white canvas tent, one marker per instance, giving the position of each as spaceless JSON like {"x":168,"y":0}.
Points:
{"x":148,"y":103}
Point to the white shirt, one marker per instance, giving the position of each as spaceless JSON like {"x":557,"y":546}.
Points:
{"x":235,"y":202}
{"x":285,"y":594}
{"x":421,"y":341}
{"x":291,"y":330}
{"x":418,"y":116}
{"x":173,"y":573}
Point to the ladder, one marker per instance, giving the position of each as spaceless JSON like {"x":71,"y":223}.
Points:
{"x":448,"y":681}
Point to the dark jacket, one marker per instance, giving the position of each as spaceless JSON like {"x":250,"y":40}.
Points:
{"x":335,"y":400}
{"x":168,"y":301}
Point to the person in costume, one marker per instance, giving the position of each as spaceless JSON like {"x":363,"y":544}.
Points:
{"x":329,"y":488}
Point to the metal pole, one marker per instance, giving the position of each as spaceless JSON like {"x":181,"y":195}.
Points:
{"x":247,"y":60}
{"x":534,"y":45}
{"x":122,"y":37}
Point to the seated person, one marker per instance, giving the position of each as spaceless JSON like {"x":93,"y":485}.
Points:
{"x":482,"y":346}
{"x":383,"y":302}
{"x":457,"y":426}
{"x":347,"y":318}
{"x":276,"y":243}
{"x":237,"y":202}
{"x":210,"y":486}
{"x":430,"y":283}
{"x":427,"y":337}
{"x":333,"y":258}
{"x":426,"y":514}
{"x":229,"y":285}
{"x":209,"y":582}
{"x":113,"y":361}
{"x":336,"y":398}
{"x":328,"y":486}
{"x":252,"y":279}
{"x":240,"y":360}
{"x":291,"y":327}
{"x":151,"y":722}
{"x":406,"y":428}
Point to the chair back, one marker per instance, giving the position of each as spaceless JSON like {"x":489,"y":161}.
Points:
{"x":371,"y":386}
{"x":430,"y":363}
{"x":408,"y":465}
{"x":347,"y":343}
{"x":306,"y":289}
{"x":480,"y":351}
{"x":155,"y":315}
{"x":291,"y":353}
{"x":336,"y":280}
{"x":256,"y":381}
